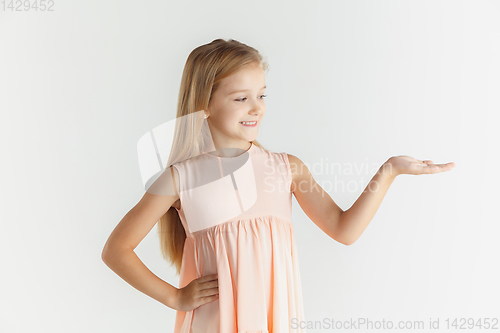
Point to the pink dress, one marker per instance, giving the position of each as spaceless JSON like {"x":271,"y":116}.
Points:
{"x":236,"y":212}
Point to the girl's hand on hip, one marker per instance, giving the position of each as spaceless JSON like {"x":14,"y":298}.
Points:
{"x":200,"y":291}
{"x":398,"y":165}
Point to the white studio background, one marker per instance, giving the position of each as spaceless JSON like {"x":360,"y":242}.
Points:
{"x":351,"y":83}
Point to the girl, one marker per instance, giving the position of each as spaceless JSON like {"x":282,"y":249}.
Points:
{"x":224,"y":205}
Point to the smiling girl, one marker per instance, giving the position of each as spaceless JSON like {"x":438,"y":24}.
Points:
{"x":225,"y":216}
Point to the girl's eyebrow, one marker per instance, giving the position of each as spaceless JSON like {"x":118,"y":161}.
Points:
{"x":237,"y":91}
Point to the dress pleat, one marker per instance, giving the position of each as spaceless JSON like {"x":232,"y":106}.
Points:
{"x":248,"y":241}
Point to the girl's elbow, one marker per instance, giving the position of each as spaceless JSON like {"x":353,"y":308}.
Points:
{"x":109,"y":252}
{"x":350,"y":241}
{"x":344,"y":242}
{"x":114,"y":251}
{"x":342,"y":239}
{"x":106,"y":254}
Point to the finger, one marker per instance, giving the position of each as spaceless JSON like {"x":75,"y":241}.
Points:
{"x":447,"y":166}
{"x":423,"y":168}
{"x":206,"y":278}
{"x":436,"y":168}
{"x":209,"y":292}
{"x":209,"y":299}
{"x":427,"y":167}
{"x":209,"y":284}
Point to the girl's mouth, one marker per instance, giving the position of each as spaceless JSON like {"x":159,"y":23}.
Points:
{"x":249,"y":123}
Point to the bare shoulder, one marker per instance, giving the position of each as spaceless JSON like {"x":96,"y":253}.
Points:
{"x":296,"y":164}
{"x":167,"y":185}
{"x":299,"y":169}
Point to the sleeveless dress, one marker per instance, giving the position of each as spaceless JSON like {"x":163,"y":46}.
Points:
{"x":236,"y":212}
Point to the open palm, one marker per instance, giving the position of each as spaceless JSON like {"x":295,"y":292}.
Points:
{"x":408,"y":165}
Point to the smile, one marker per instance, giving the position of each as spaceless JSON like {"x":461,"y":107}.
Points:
{"x":248,"y":123}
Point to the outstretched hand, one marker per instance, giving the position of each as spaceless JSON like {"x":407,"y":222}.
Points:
{"x":402,"y":164}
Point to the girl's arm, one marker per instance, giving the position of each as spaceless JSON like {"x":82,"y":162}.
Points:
{"x":118,"y":253}
{"x":314,"y":201}
{"x":347,"y":226}
{"x":354,"y":221}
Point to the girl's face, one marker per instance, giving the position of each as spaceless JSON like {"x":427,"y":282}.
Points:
{"x":239,"y":98}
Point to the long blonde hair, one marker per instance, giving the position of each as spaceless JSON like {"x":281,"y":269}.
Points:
{"x":205,"y":67}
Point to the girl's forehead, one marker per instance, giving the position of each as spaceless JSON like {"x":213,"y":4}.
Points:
{"x":244,"y":79}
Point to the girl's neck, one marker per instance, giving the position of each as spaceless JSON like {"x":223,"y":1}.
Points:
{"x":227,"y":150}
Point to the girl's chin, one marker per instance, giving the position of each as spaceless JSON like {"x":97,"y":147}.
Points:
{"x":248,"y":137}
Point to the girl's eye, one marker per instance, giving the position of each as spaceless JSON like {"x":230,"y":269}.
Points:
{"x":241,"y":99}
